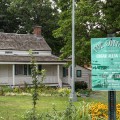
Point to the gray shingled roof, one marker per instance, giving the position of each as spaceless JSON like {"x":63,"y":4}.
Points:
{"x":13,"y":41}
{"x":14,"y":58}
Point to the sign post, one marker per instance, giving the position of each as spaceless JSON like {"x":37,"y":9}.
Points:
{"x":111,"y":105}
{"x":105,"y":58}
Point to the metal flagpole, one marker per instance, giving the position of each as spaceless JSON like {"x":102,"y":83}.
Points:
{"x":73,"y":96}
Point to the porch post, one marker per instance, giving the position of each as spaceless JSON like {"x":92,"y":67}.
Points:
{"x":13,"y":71}
{"x":58,"y":76}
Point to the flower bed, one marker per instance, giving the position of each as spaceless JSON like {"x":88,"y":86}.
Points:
{"x":99,"y":111}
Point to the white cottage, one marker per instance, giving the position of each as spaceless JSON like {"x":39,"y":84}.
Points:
{"x":15,"y":61}
{"x":15,"y":58}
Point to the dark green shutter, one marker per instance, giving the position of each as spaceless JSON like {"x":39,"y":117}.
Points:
{"x":64,"y":72}
{"x":39,"y":69}
{"x":15,"y":69}
{"x":71,"y":71}
{"x":25,"y":69}
{"x":29,"y":69}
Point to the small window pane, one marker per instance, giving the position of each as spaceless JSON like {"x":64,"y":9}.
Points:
{"x":78,"y":73}
{"x":19,"y":70}
{"x":65,"y":72}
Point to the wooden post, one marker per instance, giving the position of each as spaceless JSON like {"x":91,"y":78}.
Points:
{"x":13,"y":71}
{"x":58,"y":76}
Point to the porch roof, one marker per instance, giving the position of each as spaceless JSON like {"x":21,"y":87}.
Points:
{"x":15,"y":58}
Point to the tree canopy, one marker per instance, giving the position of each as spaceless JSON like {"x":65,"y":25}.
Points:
{"x":93,"y":18}
{"x":21,"y":16}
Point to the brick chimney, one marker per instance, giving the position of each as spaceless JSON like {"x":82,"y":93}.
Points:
{"x":37,"y":31}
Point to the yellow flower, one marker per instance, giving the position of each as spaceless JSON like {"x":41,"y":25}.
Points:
{"x":100,"y":110}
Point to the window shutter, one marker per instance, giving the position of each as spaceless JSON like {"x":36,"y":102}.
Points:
{"x":71,"y":71}
{"x":39,"y":68}
{"x":29,"y":69}
{"x":16,"y":70}
{"x":64,"y":72}
{"x":25,"y":69}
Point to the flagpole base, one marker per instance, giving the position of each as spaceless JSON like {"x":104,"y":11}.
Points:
{"x":73,"y":97}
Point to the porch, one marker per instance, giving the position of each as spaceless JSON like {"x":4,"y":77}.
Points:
{"x":18,"y":74}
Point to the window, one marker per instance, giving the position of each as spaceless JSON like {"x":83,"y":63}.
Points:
{"x":8,"y":52}
{"x":65,"y":72}
{"x":39,"y":68}
{"x":19,"y":69}
{"x":78,"y":73}
{"x":24,"y":69}
{"x":34,"y":53}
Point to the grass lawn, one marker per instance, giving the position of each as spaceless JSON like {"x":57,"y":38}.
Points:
{"x":13,"y":107}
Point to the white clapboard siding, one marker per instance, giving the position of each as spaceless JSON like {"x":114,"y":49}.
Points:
{"x":51,"y":73}
{"x":3,"y":80}
{"x":86,"y":75}
{"x":7,"y":78}
{"x":50,"y":79}
{"x":65,"y":79}
{"x":20,"y":80}
{"x":4,"y":74}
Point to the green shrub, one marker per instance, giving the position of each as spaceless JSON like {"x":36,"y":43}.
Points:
{"x":69,"y":113}
{"x":86,"y":92}
{"x":1,"y":91}
{"x":29,"y":115}
{"x":7,"y":89}
{"x":17,"y":90}
{"x":47,"y":91}
{"x":80,"y":85}
{"x":64,"y":91}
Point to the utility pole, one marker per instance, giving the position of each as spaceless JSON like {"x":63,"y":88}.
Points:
{"x":73,"y":95}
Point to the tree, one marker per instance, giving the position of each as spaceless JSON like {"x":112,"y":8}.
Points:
{"x":8,"y":20}
{"x":20,"y":16}
{"x":93,"y":18}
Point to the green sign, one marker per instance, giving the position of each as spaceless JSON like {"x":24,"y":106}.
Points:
{"x":105,"y":59}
